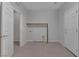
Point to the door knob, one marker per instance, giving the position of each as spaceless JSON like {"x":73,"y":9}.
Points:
{"x":3,"y":36}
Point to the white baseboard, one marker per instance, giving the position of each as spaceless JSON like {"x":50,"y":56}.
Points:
{"x":53,"y":41}
{"x":63,"y":44}
{"x":40,"y":40}
{"x":32,"y":40}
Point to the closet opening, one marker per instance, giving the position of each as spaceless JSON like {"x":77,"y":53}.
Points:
{"x":38,"y":32}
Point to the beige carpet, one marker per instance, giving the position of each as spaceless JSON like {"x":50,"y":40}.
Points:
{"x":40,"y":49}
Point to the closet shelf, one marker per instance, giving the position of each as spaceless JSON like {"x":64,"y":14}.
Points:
{"x":37,"y":24}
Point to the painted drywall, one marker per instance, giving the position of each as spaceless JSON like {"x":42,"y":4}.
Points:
{"x":38,"y":16}
{"x":49,"y":17}
{"x":71,"y":27}
{"x":53,"y":27}
{"x":60,"y":14}
{"x":16,"y":26}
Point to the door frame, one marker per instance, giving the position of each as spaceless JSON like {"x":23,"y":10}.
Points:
{"x":21,"y":22}
{"x":0,"y":26}
{"x":20,"y":15}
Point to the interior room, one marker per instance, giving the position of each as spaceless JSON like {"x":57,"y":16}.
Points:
{"x":41,"y":29}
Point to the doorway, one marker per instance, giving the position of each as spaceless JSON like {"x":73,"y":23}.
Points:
{"x":16,"y":29}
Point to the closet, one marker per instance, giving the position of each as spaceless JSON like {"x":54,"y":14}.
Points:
{"x":38,"y":32}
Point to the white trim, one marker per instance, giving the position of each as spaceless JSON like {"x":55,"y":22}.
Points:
{"x":21,"y":23}
{"x":43,"y":41}
{"x":62,"y":43}
{"x":53,"y":40}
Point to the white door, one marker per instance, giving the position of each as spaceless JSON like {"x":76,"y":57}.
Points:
{"x":71,"y":28}
{"x":7,"y":30}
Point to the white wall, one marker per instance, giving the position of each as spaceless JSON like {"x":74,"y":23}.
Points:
{"x":38,"y":16}
{"x":53,"y":26}
{"x":60,"y":13}
{"x":49,"y":17}
{"x":37,"y":32}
